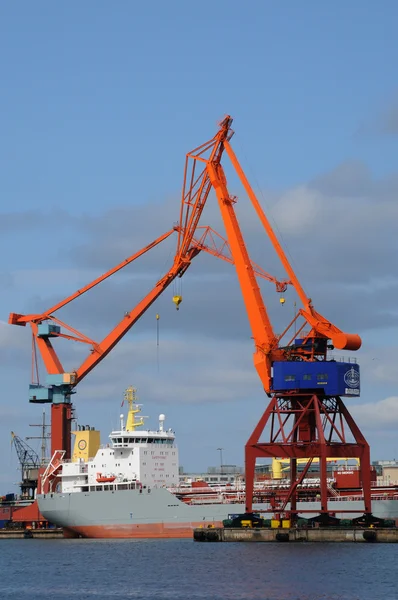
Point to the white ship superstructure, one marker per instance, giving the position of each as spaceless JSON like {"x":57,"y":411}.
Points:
{"x":135,"y":456}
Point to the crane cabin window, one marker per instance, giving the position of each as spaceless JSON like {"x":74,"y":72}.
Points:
{"x":290,"y":378}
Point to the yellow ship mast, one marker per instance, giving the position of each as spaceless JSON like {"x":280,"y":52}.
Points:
{"x":131,"y":396}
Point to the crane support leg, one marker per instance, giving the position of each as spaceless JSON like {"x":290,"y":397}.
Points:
{"x":364,"y":456}
{"x":251,"y":453}
{"x":61,"y":427}
{"x":304,"y":426}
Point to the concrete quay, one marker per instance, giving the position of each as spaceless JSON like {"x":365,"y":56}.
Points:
{"x":329,"y":534}
{"x":39,"y":534}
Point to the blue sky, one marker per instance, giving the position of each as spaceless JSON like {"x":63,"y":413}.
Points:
{"x":100,"y":102}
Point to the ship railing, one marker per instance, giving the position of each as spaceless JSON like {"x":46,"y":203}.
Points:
{"x":360,"y":497}
{"x":106,"y":487}
{"x":79,"y":461}
{"x":204,"y":490}
{"x":260,"y":487}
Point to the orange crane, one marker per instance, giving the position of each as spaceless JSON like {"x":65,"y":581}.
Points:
{"x":60,"y":385}
{"x":306,"y":415}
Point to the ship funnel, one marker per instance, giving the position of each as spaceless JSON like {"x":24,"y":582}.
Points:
{"x":161,"y":421}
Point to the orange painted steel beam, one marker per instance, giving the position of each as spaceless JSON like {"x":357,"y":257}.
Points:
{"x":110,"y":341}
{"x":15,"y":319}
{"x":223,"y":251}
{"x":51,"y":361}
{"x":321,"y":325}
{"x":196,"y":188}
{"x":264,"y":336}
{"x":267,"y":226}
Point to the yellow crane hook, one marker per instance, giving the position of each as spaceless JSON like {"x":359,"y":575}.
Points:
{"x":177,"y":301}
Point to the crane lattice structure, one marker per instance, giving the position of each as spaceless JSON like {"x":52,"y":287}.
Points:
{"x":29,"y":463}
{"x":306,"y":416}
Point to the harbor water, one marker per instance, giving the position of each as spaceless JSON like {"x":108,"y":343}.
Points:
{"x":184,"y":570}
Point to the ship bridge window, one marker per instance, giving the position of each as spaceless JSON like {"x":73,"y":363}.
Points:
{"x":119,"y":440}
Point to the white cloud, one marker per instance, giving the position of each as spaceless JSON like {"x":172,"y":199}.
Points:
{"x":13,"y":338}
{"x":379,"y":415}
{"x":297,"y":211}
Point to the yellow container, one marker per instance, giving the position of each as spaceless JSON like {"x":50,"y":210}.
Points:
{"x":285,"y":523}
{"x":275,"y":523}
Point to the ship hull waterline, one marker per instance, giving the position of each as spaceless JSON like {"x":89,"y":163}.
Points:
{"x":159,"y":514}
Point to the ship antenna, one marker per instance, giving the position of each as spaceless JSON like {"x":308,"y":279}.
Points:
{"x":131,"y":396}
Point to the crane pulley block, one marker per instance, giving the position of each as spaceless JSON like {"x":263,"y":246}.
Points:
{"x":177,"y":301}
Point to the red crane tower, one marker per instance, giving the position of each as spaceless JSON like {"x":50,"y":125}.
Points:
{"x":305,"y":415}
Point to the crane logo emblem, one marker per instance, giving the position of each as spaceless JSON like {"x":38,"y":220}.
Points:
{"x":351,"y":378}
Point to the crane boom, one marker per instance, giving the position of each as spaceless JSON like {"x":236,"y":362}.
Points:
{"x":264,"y":336}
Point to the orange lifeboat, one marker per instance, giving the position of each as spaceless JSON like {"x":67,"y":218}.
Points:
{"x":105,"y":478}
